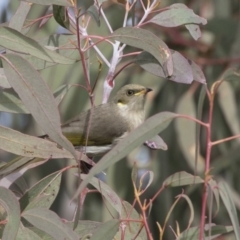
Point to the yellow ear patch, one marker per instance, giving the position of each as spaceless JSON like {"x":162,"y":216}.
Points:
{"x":121,"y":104}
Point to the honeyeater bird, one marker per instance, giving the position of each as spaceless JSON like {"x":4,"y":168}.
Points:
{"x":107,"y":122}
{"x":97,"y":130}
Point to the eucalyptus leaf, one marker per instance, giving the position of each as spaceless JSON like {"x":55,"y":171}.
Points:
{"x":36,"y":96}
{"x":146,"y":40}
{"x":15,"y":41}
{"x":10,"y":204}
{"x":47,"y":187}
{"x":50,"y":223}
{"x":66,"y":3}
{"x":181,"y":179}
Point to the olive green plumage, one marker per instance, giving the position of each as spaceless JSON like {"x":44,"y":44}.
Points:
{"x":107,"y":122}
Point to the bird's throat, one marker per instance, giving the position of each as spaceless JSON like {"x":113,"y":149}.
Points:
{"x":133,"y":117}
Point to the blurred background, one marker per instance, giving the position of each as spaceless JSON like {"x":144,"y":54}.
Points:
{"x":217,"y":50}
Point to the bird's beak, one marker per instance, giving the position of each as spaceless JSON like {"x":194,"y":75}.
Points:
{"x":148,"y":90}
{"x":144,"y":91}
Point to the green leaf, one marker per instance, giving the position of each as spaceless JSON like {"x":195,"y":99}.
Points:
{"x":3,"y":80}
{"x":29,"y":146}
{"x":193,"y":233}
{"x":107,"y":192}
{"x":10,"y":102}
{"x":50,"y":223}
{"x":8,"y":180}
{"x":194,"y":30}
{"x":61,"y":16}
{"x":95,"y":13}
{"x":85,"y":227}
{"x":226,"y":196}
{"x":215,"y":192}
{"x":229,"y":106}
{"x":107,"y":231}
{"x":36,"y":96}
{"x":13,"y":165}
{"x":147,"y":130}
{"x":10,"y":204}
{"x":197,"y":72}
{"x":66,"y":3}
{"x":18,"y":19}
{"x":144,"y":39}
{"x":43,"y":193}
{"x":182,"y":71}
{"x":15,"y":41}
{"x":26,"y":234}
{"x":181,"y":179}
{"x":186,"y":106}
{"x":177,"y":15}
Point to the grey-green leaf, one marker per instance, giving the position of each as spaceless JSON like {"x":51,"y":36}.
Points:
{"x":66,"y":3}
{"x":43,"y":193}
{"x":226,"y":196}
{"x":36,"y":96}
{"x":182,"y":71}
{"x":181,"y":179}
{"x":106,"y":192}
{"x":146,"y":40}
{"x":177,"y":15}
{"x":50,"y":223}
{"x":29,"y":146}
{"x":15,"y":41}
{"x":107,"y":231}
{"x":9,"y":203}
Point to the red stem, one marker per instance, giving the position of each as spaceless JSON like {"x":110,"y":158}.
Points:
{"x":207,"y":169}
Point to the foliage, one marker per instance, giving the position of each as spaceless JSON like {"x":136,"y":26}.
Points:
{"x":152,"y":40}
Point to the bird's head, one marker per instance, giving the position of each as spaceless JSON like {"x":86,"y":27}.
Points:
{"x":131,"y":97}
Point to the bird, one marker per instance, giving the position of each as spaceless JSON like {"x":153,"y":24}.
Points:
{"x":98,"y":129}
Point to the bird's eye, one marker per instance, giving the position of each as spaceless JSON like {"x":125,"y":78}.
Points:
{"x":130,"y":92}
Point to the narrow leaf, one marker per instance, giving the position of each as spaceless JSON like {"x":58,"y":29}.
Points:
{"x":107,"y":192}
{"x":148,"y":129}
{"x":182,"y":71}
{"x":50,"y":223}
{"x":181,"y":179}
{"x":107,"y":231}
{"x":10,"y":102}
{"x":15,"y":41}
{"x":48,"y":187}
{"x":66,"y":3}
{"x":177,"y":15}
{"x":26,"y":234}
{"x":9,"y":202}
{"x":227,"y":199}
{"x":193,"y":233}
{"x":61,"y":16}
{"x":36,"y":96}
{"x":144,"y":39}
{"x":29,"y":146}
{"x":85,"y":227}
{"x":18,"y":19}
{"x":3,"y":80}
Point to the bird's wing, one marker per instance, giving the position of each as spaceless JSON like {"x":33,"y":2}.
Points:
{"x":105,"y":126}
